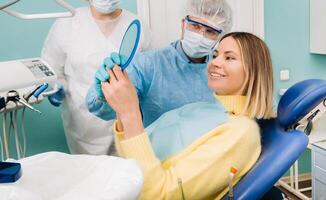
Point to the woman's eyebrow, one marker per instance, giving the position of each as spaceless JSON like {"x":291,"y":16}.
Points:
{"x":230,"y":52}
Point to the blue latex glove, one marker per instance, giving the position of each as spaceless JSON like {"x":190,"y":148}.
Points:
{"x":57,"y":98}
{"x":102,"y":75}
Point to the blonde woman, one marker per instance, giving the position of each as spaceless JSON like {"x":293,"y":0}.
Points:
{"x":188,"y":152}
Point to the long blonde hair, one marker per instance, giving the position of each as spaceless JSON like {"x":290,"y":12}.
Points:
{"x":258,"y":85}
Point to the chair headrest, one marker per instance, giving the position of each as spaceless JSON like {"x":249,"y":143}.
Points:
{"x":299,"y":100}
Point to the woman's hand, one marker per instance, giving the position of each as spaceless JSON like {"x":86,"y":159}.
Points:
{"x":120,"y":93}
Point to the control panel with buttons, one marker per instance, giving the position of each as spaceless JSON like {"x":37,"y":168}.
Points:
{"x":18,"y":74}
{"x":38,"y":68}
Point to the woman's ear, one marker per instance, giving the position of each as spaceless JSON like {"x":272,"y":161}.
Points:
{"x":182,"y":27}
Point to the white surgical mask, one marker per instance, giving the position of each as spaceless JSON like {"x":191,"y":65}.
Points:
{"x":196,"y":45}
{"x":105,"y":6}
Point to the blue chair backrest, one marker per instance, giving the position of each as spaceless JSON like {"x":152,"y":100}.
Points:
{"x":281,"y":148}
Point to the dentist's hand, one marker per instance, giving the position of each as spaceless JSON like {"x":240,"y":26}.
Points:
{"x":56,"y":99}
{"x":102,"y":75}
{"x":120,"y":93}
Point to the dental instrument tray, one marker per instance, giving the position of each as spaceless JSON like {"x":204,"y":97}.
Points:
{"x":9,"y":172}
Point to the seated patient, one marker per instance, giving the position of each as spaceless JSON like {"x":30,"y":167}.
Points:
{"x":190,"y":150}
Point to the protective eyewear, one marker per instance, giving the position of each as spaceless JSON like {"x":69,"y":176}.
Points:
{"x":198,"y":27}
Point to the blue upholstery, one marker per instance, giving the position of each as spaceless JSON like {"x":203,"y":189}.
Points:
{"x":299,"y":100}
{"x":9,"y":172}
{"x":279,"y":151}
{"x":281,"y":148}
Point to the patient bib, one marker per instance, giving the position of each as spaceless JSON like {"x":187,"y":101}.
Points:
{"x":178,"y":128}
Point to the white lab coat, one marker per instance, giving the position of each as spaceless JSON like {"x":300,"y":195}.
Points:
{"x":75,"y":48}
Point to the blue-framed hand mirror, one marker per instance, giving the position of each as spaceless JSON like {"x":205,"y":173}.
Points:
{"x":129,"y":43}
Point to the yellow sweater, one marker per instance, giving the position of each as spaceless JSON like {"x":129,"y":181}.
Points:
{"x":203,"y":167}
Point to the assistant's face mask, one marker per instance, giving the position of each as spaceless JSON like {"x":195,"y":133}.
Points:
{"x":105,"y":6}
{"x":196,"y":45}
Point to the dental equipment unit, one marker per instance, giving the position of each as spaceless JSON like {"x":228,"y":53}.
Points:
{"x":62,"y":3}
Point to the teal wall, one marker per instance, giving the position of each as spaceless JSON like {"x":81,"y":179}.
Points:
{"x":24,"y":39}
{"x":287,"y":35}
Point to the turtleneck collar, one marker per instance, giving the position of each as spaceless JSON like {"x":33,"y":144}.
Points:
{"x":234,"y":104}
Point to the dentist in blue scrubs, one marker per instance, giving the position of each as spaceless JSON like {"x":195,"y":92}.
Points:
{"x":173,"y":76}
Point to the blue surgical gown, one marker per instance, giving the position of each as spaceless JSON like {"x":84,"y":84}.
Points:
{"x":165,"y":79}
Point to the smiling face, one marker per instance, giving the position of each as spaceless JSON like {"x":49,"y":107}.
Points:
{"x":226,"y":74}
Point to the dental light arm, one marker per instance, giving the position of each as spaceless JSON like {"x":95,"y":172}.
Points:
{"x":62,"y":3}
{"x":8,"y":4}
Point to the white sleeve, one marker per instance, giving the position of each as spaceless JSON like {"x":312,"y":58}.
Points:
{"x":53,"y":52}
{"x":145,"y":37}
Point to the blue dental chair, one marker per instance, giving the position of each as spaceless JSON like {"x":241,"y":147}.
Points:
{"x":282,"y":142}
